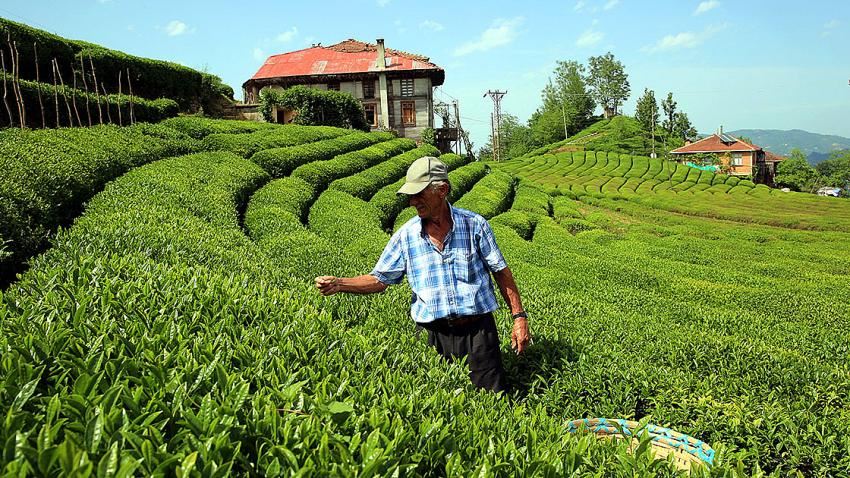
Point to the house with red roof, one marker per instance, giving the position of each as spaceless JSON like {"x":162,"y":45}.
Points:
{"x":738,"y":157}
{"x":395,"y":87}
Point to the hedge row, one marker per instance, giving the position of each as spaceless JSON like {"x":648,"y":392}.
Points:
{"x":64,"y":106}
{"x":246,"y":145}
{"x":49,"y":174}
{"x":366,"y":183}
{"x":321,"y":173}
{"x":199,"y":127}
{"x":351,"y":222}
{"x":532,"y":199}
{"x":389,"y":203}
{"x":279,"y":207}
{"x":282,"y":161}
{"x":490,"y":196}
{"x":149,"y":78}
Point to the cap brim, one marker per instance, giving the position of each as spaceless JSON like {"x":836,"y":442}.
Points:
{"x":412,"y":188}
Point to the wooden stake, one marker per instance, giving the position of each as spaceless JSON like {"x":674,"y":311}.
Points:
{"x":85,"y":87}
{"x":120,"y":122}
{"x":130,"y":86}
{"x":38,"y":80}
{"x":74,"y":96}
{"x":96,"y":92}
{"x":106,"y":99}
{"x":64,"y":93}
{"x":5,"y":102}
{"x":55,"y":91}
{"x":16,"y":83}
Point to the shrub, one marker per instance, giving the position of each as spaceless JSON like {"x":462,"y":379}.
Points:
{"x":315,"y":107}
{"x":282,"y":161}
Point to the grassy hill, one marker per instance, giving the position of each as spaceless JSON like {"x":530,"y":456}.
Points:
{"x":173,"y":328}
{"x":783,"y":141}
{"x":620,"y":134}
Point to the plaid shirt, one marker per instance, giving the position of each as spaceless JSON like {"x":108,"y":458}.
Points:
{"x":450,"y":283}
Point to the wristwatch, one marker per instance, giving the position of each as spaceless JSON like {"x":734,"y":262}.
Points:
{"x":520,"y":315}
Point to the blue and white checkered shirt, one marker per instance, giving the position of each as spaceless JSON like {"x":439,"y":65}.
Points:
{"x":450,"y":283}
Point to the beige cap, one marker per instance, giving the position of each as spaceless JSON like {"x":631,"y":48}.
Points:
{"x":423,"y":172}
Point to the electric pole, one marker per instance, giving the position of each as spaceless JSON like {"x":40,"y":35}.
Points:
{"x":496,"y":121}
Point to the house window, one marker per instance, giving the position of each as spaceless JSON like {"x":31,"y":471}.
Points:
{"x":407,"y":87}
{"x":369,"y":89}
{"x":408,"y":113}
{"x":737,"y":159}
{"x":371,"y":113}
{"x":333,"y":86}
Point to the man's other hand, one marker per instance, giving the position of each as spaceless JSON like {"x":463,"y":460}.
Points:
{"x":327,"y":285}
{"x":520,"y":336}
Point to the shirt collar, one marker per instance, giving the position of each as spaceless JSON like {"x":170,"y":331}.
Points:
{"x":452,"y":211}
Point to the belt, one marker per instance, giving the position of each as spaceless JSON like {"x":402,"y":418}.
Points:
{"x":463,"y":320}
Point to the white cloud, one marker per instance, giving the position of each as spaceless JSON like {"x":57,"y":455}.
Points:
{"x":383,"y":3}
{"x":175,"y":28}
{"x":259,"y":54}
{"x":500,"y":33}
{"x":580,"y":4}
{"x":706,"y":6}
{"x":829,"y":27}
{"x":611,"y":4}
{"x":288,"y":35}
{"x":684,"y":40}
{"x":590,"y":37}
{"x":431,"y":25}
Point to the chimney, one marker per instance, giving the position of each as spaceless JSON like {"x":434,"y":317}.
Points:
{"x":381,"y":62}
{"x":720,"y":131}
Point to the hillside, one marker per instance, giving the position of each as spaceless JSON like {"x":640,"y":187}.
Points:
{"x":173,"y":327}
{"x":783,"y":141}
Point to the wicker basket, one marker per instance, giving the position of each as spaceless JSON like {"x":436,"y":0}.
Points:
{"x":686,"y":450}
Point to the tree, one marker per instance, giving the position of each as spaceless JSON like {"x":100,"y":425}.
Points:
{"x":796,"y":173}
{"x":608,"y":82}
{"x":836,"y":169}
{"x":515,"y":138}
{"x":567,"y":105}
{"x":646,"y":111}
{"x":682,"y":127}
{"x":669,"y":107}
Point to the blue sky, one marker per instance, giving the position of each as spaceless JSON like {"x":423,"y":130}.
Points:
{"x":745,"y":64}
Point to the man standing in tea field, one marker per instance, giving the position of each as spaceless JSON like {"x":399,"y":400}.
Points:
{"x":448,"y":255}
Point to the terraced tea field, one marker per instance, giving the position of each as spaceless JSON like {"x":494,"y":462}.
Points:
{"x":173,"y":328}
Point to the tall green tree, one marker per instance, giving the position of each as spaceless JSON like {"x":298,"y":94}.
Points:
{"x":682,"y":127}
{"x":608,"y":82}
{"x":669,"y":107}
{"x":515,"y":139}
{"x":646,"y":110}
{"x":567,"y":105}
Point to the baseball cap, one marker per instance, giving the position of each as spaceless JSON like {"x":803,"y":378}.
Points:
{"x":423,"y":172}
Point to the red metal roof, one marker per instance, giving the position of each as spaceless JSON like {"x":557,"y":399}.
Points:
{"x":349,"y":56}
{"x":713,"y":144}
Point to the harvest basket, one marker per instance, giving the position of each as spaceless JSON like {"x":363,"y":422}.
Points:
{"x":686,"y":450}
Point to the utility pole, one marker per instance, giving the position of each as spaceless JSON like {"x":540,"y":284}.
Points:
{"x":654,"y":107}
{"x":496,"y":121}
{"x":457,"y":127}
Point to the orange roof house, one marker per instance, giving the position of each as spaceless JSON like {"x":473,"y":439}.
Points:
{"x":741,"y":158}
{"x":395,"y":87}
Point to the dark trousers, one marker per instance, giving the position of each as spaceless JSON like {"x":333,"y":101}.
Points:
{"x":478,"y":343}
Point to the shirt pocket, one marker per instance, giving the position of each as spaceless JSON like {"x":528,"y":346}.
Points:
{"x":465,"y":266}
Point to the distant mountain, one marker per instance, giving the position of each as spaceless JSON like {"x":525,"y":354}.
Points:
{"x":816,"y":146}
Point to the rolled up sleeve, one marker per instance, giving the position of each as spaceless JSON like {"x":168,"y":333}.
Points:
{"x":392,"y":264}
{"x":488,"y":248}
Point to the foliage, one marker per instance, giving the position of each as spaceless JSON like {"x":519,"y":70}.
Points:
{"x":247,"y":145}
{"x":281,"y":161}
{"x":567,"y":105}
{"x":315,"y":107}
{"x":682,"y":127}
{"x":149,"y":78}
{"x":198,"y":127}
{"x":836,"y":169}
{"x":429,"y":136}
{"x":646,"y":111}
{"x":796,"y":173}
{"x":364,"y":184}
{"x":75,"y":107}
{"x":608,"y":82}
{"x":669,"y":107}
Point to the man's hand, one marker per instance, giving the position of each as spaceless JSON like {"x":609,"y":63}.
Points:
{"x":520,"y":336}
{"x":327,"y":285}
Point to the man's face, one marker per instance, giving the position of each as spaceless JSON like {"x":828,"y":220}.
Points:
{"x":428,"y":201}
